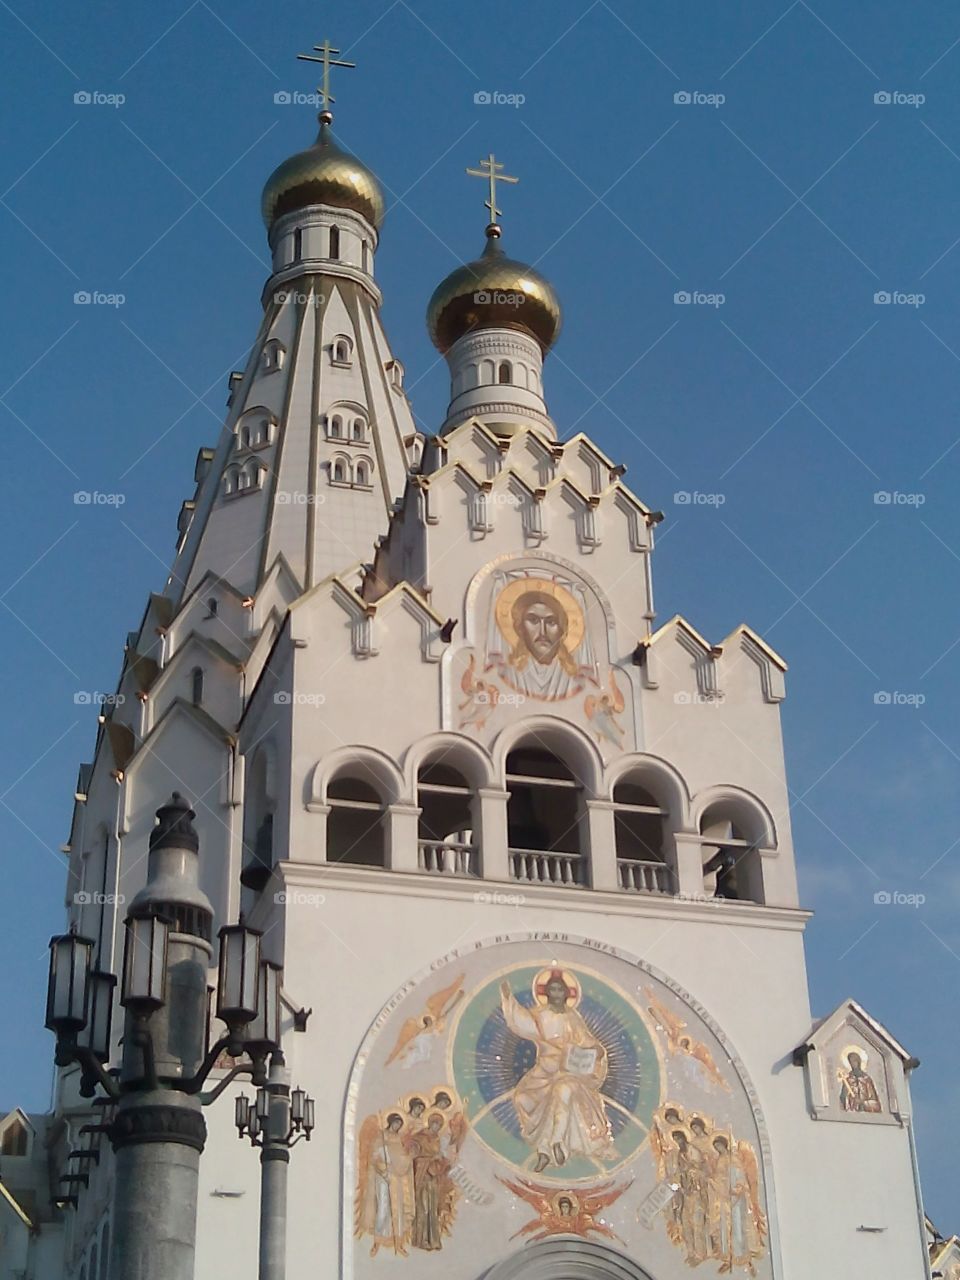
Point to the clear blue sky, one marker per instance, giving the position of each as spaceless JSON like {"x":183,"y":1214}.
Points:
{"x":798,"y":198}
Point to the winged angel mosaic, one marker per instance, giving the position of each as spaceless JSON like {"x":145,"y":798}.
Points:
{"x":552,"y":1090}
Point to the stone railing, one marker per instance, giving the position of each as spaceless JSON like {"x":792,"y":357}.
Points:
{"x":442,"y":858}
{"x":537,"y":866}
{"x":644,"y":877}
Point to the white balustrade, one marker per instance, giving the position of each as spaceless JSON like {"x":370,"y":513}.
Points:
{"x":538,"y":866}
{"x":643,"y":877}
{"x":442,"y":858}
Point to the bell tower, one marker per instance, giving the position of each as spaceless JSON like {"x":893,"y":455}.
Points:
{"x":523,"y":852}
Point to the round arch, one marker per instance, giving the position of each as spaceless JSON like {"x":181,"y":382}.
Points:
{"x":748,"y":812}
{"x":661,"y":779}
{"x":564,"y":739}
{"x":371,"y":765}
{"x":568,"y":1258}
{"x":455,"y":749}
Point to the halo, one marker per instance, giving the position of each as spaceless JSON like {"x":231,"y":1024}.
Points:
{"x":861,"y":1053}
{"x":544,"y":586}
{"x":539,"y":987}
{"x":565,"y":1195}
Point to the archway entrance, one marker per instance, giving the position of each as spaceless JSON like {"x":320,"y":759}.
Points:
{"x":568,"y":1258}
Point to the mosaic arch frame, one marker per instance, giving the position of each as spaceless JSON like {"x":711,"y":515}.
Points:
{"x":444,"y":964}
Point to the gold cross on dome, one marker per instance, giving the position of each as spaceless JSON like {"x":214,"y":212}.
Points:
{"x":493,"y":172}
{"x":329,"y":57}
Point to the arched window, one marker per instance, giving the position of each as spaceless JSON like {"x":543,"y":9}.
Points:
{"x":272,"y":356}
{"x":16,"y":1139}
{"x":504,"y":373}
{"x":366,"y":256}
{"x":336,"y":427}
{"x":445,"y":828}
{"x":359,"y":430}
{"x":731,"y":858}
{"x":639,"y":825}
{"x":335,"y":243}
{"x":342,"y":350}
{"x":362,"y":476}
{"x":338,"y":471}
{"x":544,"y":818}
{"x":196,"y":686}
{"x":355,"y":823}
{"x":212,"y":607}
{"x":487,"y":373}
{"x":255,"y":429}
{"x":250,"y":477}
{"x":231,"y":481}
{"x":298,"y":244}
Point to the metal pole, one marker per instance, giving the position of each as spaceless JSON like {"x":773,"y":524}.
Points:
{"x":274,"y":1161}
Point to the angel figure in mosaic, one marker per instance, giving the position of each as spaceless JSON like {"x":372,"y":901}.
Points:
{"x":565,"y":1212}
{"x":602,"y":711}
{"x":419,"y":1034}
{"x":434,"y":1193}
{"x":481,"y":697}
{"x":384,"y":1207}
{"x":681,"y":1043}
{"x":737,"y":1223}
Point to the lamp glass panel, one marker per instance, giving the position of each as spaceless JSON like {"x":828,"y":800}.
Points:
{"x":145,"y":962}
{"x":68,"y":988}
{"x":239,"y":969}
{"x":97,"y":1035}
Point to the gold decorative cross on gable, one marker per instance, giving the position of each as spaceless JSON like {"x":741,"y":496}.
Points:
{"x":329,"y":57}
{"x":493,"y":172}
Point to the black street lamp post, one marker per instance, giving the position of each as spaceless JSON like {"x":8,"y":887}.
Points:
{"x":155,"y":1099}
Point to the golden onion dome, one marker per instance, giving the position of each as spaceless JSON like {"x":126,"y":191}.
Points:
{"x":323,"y":174}
{"x":494,"y":292}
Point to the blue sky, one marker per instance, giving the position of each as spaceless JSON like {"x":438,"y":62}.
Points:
{"x":795,"y":400}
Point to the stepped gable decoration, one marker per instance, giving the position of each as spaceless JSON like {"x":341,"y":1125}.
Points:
{"x":544,"y":1088}
{"x":544,"y":642}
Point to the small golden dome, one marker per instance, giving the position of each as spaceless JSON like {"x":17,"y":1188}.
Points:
{"x":323,"y":174}
{"x":494,"y":292}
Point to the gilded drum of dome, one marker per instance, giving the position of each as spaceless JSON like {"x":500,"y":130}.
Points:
{"x":323,"y":174}
{"x":456,"y":308}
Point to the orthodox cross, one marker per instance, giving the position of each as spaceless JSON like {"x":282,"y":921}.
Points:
{"x":329,"y":57}
{"x":493,"y":172}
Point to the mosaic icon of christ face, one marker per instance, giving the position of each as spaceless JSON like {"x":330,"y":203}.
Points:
{"x":541,"y":625}
{"x":541,"y":649}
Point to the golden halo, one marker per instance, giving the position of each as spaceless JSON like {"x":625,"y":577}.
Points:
{"x":565,"y":1195}
{"x":543,"y":977}
{"x":510,"y":594}
{"x":863,"y":1055}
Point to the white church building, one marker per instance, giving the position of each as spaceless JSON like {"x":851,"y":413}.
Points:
{"x":523,"y":850}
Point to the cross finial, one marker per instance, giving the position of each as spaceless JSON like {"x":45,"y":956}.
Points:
{"x":329,"y":57}
{"x":493,"y":172}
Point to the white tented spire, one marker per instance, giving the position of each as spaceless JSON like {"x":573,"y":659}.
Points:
{"x":313,"y":455}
